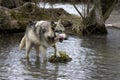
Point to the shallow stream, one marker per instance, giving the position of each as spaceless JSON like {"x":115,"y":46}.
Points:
{"x":93,"y":58}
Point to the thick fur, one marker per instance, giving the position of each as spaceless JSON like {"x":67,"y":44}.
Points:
{"x":22,"y":43}
{"x":41,"y":35}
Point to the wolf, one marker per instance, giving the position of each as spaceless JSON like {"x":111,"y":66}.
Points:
{"x":41,"y":35}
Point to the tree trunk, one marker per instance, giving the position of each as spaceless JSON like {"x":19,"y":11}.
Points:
{"x":99,"y":20}
{"x":107,"y":7}
{"x":97,"y":17}
{"x":95,"y":20}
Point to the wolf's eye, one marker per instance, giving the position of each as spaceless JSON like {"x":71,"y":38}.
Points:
{"x":58,"y":31}
{"x":53,"y":28}
{"x":44,"y":30}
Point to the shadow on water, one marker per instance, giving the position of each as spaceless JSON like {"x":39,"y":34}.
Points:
{"x":93,"y":58}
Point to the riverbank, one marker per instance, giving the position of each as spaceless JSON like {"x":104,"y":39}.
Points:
{"x":17,"y":19}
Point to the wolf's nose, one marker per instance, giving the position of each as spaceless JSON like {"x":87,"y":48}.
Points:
{"x":62,"y":36}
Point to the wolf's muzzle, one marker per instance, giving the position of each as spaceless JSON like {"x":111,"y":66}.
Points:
{"x":62,"y":37}
{"x":51,"y":38}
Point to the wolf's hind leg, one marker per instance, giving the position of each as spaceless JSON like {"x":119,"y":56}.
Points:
{"x":28,"y":48}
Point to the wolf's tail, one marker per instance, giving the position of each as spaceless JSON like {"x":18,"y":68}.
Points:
{"x":22,"y":43}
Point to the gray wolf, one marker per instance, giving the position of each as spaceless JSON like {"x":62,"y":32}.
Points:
{"x":41,"y":35}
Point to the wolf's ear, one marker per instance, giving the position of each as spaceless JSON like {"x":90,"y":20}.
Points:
{"x":32,"y":23}
{"x":53,"y":24}
{"x":59,"y":21}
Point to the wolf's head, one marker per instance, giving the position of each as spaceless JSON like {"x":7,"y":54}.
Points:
{"x":59,"y":30}
{"x":50,"y":31}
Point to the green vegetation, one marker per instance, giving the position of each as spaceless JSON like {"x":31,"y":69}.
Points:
{"x":62,"y":59}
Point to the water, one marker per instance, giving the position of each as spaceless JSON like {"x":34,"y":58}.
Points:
{"x":93,"y":58}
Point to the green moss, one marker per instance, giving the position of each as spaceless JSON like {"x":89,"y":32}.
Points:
{"x":62,"y":59}
{"x":18,"y":15}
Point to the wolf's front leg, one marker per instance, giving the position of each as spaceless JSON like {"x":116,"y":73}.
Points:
{"x":43,"y":50}
{"x":37,"y":48}
{"x":56,"y":51}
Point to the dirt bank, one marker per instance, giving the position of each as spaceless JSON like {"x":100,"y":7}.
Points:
{"x":16,"y":19}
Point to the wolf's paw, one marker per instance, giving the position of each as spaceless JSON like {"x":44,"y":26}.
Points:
{"x":45,"y":60}
{"x":27,"y":58}
{"x":57,"y":54}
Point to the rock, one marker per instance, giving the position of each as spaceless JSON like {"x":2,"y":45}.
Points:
{"x":62,"y":59}
{"x":11,"y":3}
{"x":4,"y":18}
{"x":7,"y":22}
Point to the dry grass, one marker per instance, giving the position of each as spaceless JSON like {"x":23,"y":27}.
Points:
{"x":77,"y":26}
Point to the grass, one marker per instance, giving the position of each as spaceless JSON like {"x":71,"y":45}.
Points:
{"x":30,"y":12}
{"x":62,"y":59}
{"x":77,"y":26}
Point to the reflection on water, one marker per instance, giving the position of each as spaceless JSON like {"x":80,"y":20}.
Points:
{"x":93,"y":58}
{"x":37,"y":70}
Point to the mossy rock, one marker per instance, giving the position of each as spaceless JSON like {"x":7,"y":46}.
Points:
{"x":62,"y":59}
